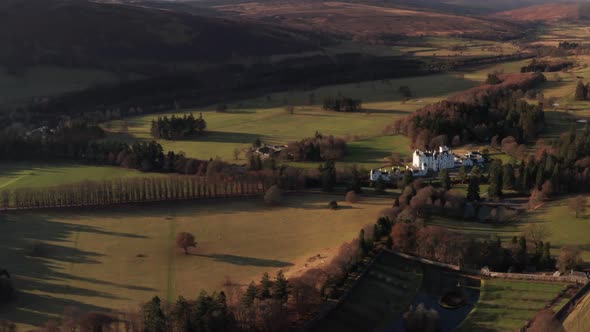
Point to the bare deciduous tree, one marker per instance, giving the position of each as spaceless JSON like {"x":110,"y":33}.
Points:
{"x":578,"y":204}
{"x":537,"y":233}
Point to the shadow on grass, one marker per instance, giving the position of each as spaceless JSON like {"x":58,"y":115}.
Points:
{"x":45,"y":285}
{"x":246,"y":261}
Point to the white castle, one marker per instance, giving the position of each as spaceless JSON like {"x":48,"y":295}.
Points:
{"x":424,"y":161}
{"x":434,"y":160}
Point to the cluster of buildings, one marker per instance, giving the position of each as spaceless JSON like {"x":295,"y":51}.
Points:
{"x":269,"y":151}
{"x":424,"y":162}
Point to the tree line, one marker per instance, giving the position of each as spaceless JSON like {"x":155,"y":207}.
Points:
{"x":178,"y":127}
{"x":342,"y":104}
{"x":81,"y":141}
{"x":317,"y":148}
{"x":546,"y":66}
{"x":477,"y":115}
{"x":133,"y":190}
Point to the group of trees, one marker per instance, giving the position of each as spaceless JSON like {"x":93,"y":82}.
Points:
{"x":207,"y":313}
{"x":178,"y":127}
{"x":317,"y":148}
{"x":68,"y":140}
{"x":80,"y":141}
{"x":546,"y":66}
{"x":131,"y":190}
{"x":408,"y":221}
{"x":563,"y":162}
{"x":476,"y":116}
{"x":440,"y":244}
{"x":567,"y":45}
{"x":581,"y":92}
{"x":342,"y":104}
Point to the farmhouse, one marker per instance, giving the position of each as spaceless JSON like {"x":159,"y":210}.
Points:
{"x":434,"y":160}
{"x":268,"y":151}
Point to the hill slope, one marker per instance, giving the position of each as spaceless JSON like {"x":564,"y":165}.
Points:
{"x":552,"y":12}
{"x":367,"y":21}
{"x":82,"y":32}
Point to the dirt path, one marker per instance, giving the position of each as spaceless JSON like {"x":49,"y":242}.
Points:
{"x":319,"y":260}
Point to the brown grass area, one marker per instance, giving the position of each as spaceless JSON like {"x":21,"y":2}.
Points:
{"x":364,"y":20}
{"x":548,"y":12}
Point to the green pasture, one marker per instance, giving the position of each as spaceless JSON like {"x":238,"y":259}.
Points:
{"x":40,"y":174}
{"x":564,"y":229}
{"x":506,"y":305}
{"x":267,"y":119}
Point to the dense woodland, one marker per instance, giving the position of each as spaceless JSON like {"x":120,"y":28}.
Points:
{"x":79,"y":141}
{"x":317,"y":148}
{"x":476,"y":115}
{"x":546,"y":66}
{"x":342,"y":104}
{"x":178,"y":127}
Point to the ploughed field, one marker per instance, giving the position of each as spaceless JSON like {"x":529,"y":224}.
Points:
{"x":114,"y":259}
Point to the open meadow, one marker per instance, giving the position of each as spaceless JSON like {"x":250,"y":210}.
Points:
{"x":562,"y":226}
{"x":41,"y":175}
{"x":506,"y":305}
{"x":267,"y":119}
{"x":98,"y":259}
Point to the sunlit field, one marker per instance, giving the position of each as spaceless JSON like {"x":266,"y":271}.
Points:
{"x":103,"y":259}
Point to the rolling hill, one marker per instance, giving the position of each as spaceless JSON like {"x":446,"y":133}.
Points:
{"x":81,"y":32}
{"x":366,"y":21}
{"x":552,"y":12}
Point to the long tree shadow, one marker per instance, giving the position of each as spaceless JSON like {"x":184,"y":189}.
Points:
{"x":44,"y":285}
{"x":246,"y":261}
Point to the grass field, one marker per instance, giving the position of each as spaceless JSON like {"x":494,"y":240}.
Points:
{"x":37,"y":175}
{"x":266,"y":118}
{"x":47,"y":80}
{"x":578,"y":320}
{"x":560,"y":221}
{"x":507,"y":305}
{"x":105,"y":259}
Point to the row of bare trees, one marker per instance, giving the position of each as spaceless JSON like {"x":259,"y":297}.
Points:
{"x":132,"y":190}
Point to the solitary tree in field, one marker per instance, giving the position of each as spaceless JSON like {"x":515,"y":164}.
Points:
{"x":578,"y":204}
{"x":185,"y":240}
